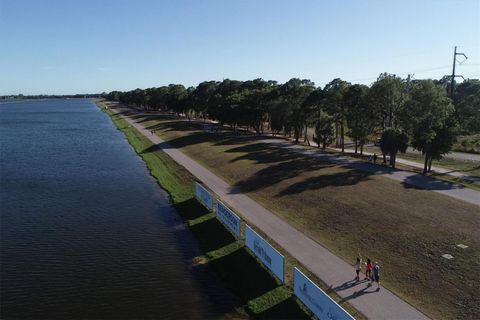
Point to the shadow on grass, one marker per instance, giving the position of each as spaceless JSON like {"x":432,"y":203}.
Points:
{"x":290,"y":165}
{"x":191,"y":139}
{"x":243,"y":274}
{"x":190,"y":209}
{"x":174,"y":125}
{"x":419,"y":181}
{"x":238,"y":269}
{"x":204,"y":230}
{"x":347,"y":178}
{"x":262,"y":152}
{"x":287,"y":309}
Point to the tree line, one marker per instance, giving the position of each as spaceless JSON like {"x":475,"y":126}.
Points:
{"x":398,"y":112}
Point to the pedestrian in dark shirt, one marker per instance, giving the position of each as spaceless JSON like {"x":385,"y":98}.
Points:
{"x":376,"y":274}
{"x":374,"y":158}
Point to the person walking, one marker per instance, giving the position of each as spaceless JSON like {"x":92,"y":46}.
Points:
{"x":358,"y":268}
{"x":376,"y":274}
{"x":368,"y":271}
{"x":375,"y":158}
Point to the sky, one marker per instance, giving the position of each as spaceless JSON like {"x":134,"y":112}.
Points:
{"x":92,"y":46}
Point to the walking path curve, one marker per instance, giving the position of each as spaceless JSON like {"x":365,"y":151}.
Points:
{"x":331,"y":269}
{"x":410,"y":178}
{"x":461,"y":175}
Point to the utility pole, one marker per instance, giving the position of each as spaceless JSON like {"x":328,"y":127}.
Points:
{"x":452,"y":80}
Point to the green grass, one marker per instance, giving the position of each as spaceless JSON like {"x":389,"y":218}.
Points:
{"x":404,"y":228}
{"x":470,"y":143}
{"x":261,"y":294}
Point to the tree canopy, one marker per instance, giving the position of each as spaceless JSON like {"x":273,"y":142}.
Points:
{"x":392,"y":107}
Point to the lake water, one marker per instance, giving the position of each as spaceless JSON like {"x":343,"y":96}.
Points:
{"x":85,"y":231}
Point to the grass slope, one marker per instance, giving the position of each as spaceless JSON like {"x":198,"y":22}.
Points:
{"x":404,"y":228}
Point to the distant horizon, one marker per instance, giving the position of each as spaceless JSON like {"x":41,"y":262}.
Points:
{"x":60,"y":47}
{"x":101,"y":92}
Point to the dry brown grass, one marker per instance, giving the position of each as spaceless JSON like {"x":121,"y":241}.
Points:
{"x":405,"y":229}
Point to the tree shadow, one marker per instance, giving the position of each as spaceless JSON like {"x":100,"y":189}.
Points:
{"x":276,"y":173}
{"x":348,"y":178}
{"x":167,"y":126}
{"x":262,"y":152}
{"x":176,"y":143}
{"x":421,"y":182}
{"x":228,"y":139}
{"x":133,"y":115}
{"x":150,"y":117}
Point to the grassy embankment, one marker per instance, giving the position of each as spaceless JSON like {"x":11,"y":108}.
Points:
{"x":404,"y":228}
{"x":263,"y":296}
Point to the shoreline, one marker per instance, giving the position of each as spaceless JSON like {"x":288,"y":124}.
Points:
{"x":238,"y":263}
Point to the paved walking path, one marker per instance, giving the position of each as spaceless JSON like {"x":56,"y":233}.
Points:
{"x":331,"y":269}
{"x":464,"y":176}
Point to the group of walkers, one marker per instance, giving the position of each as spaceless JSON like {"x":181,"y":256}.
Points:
{"x":153,"y":131}
{"x":373,"y":158}
{"x":372,"y":271}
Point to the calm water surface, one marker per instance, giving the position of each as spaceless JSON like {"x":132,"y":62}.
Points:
{"x":85,"y":231}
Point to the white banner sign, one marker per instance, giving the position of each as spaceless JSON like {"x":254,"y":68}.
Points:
{"x":316,"y":299}
{"x":204,"y":196}
{"x":272,"y":259}
{"x":230,"y":219}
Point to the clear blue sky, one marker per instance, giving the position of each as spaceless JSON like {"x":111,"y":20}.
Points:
{"x":77,"y":46}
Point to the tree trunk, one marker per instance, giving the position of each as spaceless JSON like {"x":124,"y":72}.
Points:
{"x":337,"y":140}
{"x":324,"y":145}
{"x":361,"y":149}
{"x":384,"y":158}
{"x":393,"y":159}
{"x":342,"y":133}
{"x":430,"y":164}
{"x":356,"y":146}
{"x":425,"y":166}
{"x":390,"y":118}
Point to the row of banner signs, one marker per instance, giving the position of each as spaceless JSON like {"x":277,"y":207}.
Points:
{"x":305,"y":289}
